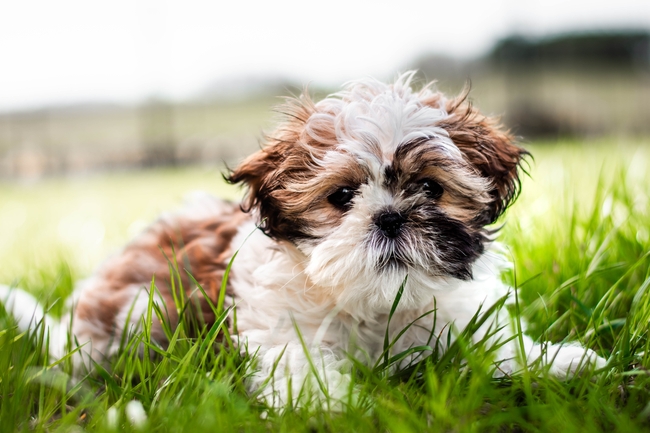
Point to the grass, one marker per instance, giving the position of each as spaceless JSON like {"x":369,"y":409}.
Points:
{"x":579,"y":238}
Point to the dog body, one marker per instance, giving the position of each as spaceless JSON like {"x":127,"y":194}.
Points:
{"x":372,"y":189}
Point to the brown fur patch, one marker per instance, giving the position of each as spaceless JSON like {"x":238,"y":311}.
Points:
{"x":489,"y":148}
{"x":200,"y":247}
{"x":465,"y":191}
{"x":282,"y":178}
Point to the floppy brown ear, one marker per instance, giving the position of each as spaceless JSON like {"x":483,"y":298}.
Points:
{"x":256,"y":174}
{"x":262,"y":175}
{"x":490,"y":149}
{"x":267,"y":172}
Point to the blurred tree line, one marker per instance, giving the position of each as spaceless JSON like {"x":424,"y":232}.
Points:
{"x":571,"y":85}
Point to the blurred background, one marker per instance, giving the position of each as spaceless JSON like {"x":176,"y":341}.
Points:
{"x":88,"y":86}
{"x":111,"y":111}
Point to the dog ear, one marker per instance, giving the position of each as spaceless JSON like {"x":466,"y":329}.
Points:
{"x":266,"y":173}
{"x":261,"y":175}
{"x":256,"y":174}
{"x":490,"y":149}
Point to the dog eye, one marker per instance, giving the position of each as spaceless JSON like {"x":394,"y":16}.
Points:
{"x":342,"y":197}
{"x":431,"y":188}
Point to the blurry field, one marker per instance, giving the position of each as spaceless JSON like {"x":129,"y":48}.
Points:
{"x":76,"y":222}
{"x":579,"y":236}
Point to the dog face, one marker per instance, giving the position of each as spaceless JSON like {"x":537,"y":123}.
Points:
{"x":378,"y":182}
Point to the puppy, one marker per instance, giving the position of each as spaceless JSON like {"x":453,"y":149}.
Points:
{"x":375,"y":190}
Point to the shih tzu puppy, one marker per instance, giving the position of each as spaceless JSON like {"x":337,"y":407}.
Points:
{"x":372,"y":189}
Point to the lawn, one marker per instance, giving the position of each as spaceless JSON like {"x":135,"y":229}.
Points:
{"x":579,"y":237}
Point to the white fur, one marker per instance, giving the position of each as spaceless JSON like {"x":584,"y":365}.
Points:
{"x":29,"y":315}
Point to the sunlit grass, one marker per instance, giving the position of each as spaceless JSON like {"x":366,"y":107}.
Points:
{"x":578,"y":237}
{"x":71,"y":224}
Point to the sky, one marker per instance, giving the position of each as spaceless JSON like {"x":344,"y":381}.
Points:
{"x":124,"y":51}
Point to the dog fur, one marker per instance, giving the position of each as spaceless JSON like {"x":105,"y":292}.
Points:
{"x":373,"y":187}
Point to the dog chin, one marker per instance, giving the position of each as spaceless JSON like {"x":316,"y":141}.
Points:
{"x":354,"y":282}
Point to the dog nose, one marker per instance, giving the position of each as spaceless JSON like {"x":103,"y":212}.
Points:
{"x":390,"y":223}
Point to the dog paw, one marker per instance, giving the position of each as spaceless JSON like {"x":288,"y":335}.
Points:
{"x":335,"y":392}
{"x":565,"y":362}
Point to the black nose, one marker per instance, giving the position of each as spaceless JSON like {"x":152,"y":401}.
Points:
{"x":390,"y":223}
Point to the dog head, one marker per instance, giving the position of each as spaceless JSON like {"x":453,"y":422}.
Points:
{"x":378,"y":182}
